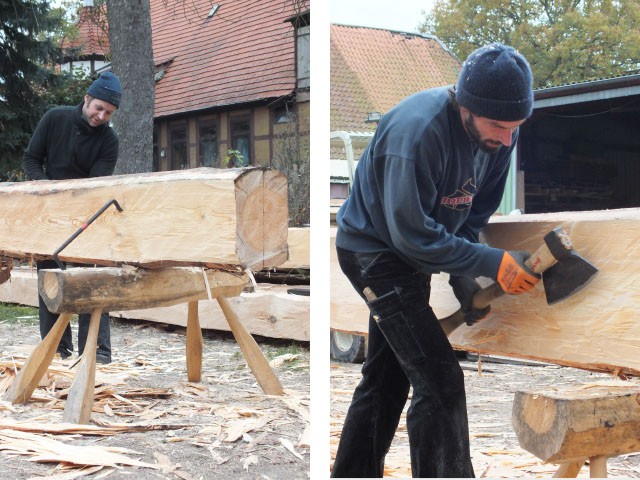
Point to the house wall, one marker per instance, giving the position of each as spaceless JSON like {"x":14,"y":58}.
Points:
{"x":264,"y":136}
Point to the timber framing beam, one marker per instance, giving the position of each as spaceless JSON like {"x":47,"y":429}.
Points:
{"x":220,"y":218}
{"x":595,"y":328}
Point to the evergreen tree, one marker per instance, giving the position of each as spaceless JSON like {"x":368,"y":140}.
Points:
{"x":27,"y":46}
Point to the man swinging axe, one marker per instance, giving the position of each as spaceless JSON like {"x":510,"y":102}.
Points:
{"x":426,"y":185}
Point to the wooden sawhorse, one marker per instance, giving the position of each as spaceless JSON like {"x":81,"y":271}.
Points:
{"x":132,"y":289}
{"x":569,"y":426}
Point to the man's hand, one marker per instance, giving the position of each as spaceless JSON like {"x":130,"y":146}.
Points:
{"x":513,"y":275}
{"x":464,"y":288}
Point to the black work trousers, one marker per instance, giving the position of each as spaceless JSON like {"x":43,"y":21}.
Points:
{"x":407,"y":347}
{"x":65,"y":347}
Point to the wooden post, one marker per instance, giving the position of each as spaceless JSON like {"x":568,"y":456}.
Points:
{"x":194,"y":344}
{"x":598,"y":467}
{"x":37,"y":364}
{"x":252,"y":353}
{"x":80,"y":398}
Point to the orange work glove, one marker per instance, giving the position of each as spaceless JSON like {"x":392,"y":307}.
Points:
{"x":513,"y":275}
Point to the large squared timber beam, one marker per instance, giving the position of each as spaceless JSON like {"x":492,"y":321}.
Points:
{"x":597,"y":328}
{"x":207,"y":217}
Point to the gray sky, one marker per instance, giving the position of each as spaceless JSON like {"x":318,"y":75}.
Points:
{"x":400,"y":15}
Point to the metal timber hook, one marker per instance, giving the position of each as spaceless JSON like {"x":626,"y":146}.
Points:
{"x":82,"y":228}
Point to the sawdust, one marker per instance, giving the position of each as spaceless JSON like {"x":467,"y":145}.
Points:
{"x":148,"y":421}
{"x":494,"y":445}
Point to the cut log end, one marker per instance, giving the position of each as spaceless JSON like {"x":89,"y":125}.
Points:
{"x":49,"y":288}
{"x":576,"y":423}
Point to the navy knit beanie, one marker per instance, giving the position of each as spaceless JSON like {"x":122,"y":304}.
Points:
{"x":496,"y":83}
{"x":106,"y":87}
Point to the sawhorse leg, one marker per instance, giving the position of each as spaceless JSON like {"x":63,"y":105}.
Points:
{"x":81,"y":395}
{"x":37,"y":364}
{"x":194,"y":344}
{"x":251,"y":351}
{"x":597,"y":468}
{"x":569,"y":469}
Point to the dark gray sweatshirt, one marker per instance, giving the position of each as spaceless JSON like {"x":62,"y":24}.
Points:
{"x":424,"y":190}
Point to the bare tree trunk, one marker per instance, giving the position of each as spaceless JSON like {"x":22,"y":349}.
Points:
{"x":132,"y":61}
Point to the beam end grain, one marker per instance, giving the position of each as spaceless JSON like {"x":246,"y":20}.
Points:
{"x":261,"y":203}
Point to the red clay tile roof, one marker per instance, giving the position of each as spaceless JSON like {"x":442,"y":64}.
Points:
{"x":244,"y":53}
{"x":373,"y":69}
{"x":93,"y":35}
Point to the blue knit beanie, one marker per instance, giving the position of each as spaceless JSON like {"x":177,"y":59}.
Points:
{"x":496,"y":83}
{"x":106,"y":87}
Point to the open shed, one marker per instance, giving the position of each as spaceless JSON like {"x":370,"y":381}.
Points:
{"x":580,"y":150}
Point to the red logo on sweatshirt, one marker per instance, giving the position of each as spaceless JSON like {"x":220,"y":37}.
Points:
{"x":462,"y":198}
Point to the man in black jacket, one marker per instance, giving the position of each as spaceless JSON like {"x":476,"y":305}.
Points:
{"x":426,"y":185}
{"x":76,"y":142}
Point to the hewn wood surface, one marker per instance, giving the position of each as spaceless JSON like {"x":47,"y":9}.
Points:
{"x":299,"y":244}
{"x":191,"y":217}
{"x":598,"y":328}
{"x":80,"y":290}
{"x":270,"y":312}
{"x":569,"y":424}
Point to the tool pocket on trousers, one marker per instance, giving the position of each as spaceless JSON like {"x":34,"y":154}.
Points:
{"x":397,"y":327}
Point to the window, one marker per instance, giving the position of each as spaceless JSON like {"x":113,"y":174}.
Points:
{"x":240,"y":140}
{"x":178,"y":140}
{"x":302,"y":56}
{"x":208,"y":146}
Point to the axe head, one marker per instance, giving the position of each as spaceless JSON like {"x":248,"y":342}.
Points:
{"x":568,"y":276}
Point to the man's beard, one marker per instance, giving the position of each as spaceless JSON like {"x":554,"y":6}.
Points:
{"x":489,"y":146}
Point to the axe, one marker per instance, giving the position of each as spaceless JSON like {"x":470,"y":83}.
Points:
{"x":563,"y":271}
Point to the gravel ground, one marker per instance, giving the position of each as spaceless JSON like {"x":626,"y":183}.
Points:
{"x":494,"y":446}
{"x":222,"y":427}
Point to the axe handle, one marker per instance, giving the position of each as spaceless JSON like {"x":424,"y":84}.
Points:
{"x":538,"y":263}
{"x":541,"y":259}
